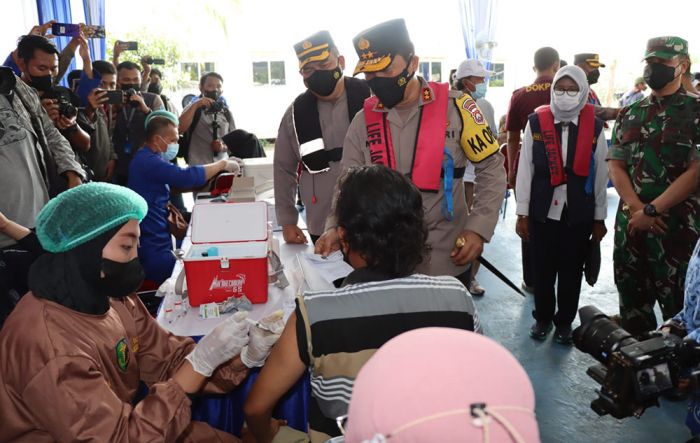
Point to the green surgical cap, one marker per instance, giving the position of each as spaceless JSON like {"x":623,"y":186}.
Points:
{"x":161,"y":113}
{"x":82,"y":213}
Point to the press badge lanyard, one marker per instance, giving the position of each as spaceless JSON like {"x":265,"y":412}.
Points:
{"x":448,"y":167}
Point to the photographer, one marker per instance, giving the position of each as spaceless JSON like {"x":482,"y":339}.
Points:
{"x":129,"y":131}
{"x":205,"y":121}
{"x":155,"y":86}
{"x":64,"y":58}
{"x":98,"y":78}
{"x":38,"y":61}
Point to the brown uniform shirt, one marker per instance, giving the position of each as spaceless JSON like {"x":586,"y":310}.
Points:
{"x":334,"y":125}
{"x":67,"y":376}
{"x":442,"y":234}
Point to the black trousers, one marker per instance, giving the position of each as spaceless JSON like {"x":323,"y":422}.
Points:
{"x":558,"y":249}
{"x":528,"y":263}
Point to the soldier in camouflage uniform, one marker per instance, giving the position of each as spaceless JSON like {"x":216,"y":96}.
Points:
{"x":654,"y":163}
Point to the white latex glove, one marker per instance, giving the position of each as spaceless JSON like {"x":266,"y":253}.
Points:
{"x":220,"y":345}
{"x":233,"y":167}
{"x":263,"y":336}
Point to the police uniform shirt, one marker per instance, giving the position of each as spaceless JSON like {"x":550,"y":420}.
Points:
{"x":334,"y":120}
{"x":490,"y":180}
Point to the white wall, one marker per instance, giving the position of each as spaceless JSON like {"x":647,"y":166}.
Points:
{"x":17,"y":21}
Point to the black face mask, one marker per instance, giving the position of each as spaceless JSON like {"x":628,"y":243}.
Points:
{"x":593,"y":76}
{"x":323,"y":82}
{"x":390,"y":90}
{"x":155,"y":88}
{"x":658,"y":75}
{"x":214,"y":95}
{"x":121,"y":279}
{"x":42,"y":83}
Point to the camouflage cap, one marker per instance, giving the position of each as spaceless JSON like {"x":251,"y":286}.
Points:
{"x":666,"y":47}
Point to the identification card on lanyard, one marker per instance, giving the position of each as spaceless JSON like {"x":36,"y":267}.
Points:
{"x":128,"y":147}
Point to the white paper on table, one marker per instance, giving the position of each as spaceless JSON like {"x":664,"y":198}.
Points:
{"x":319,"y":273}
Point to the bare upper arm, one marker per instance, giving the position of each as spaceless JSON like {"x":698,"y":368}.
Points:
{"x":281,"y":371}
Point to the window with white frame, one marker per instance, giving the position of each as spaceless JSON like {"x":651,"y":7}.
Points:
{"x":431,"y":70}
{"x":268,"y":73}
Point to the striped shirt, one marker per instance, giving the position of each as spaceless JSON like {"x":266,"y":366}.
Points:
{"x":339,"y":330}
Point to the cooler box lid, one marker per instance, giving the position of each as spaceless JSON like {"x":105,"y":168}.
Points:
{"x":229,"y":222}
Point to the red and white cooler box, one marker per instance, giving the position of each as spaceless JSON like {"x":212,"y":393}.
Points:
{"x":239,"y":231}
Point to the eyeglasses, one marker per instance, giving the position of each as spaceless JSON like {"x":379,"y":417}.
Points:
{"x":570,"y":93}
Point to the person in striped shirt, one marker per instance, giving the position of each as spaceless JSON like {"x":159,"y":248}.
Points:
{"x":333,"y":333}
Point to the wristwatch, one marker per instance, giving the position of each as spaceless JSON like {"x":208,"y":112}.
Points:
{"x":650,"y":210}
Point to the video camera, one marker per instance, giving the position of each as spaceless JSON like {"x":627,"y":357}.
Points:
{"x":632,"y":374}
{"x":62,"y":97}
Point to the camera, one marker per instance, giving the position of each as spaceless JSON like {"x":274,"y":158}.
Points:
{"x":62,"y":97}
{"x":217,"y":106}
{"x":632,"y":374}
{"x":128,"y":94}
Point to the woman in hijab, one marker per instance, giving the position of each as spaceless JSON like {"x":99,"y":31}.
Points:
{"x":73,"y":351}
{"x":561,"y":198}
{"x":477,"y":392}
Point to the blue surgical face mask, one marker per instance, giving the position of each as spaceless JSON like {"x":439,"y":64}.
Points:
{"x":171,"y":152}
{"x":479,"y":91}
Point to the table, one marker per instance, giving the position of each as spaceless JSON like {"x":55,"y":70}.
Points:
{"x":225,"y":412}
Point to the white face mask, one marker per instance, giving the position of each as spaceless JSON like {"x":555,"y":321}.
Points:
{"x":566,"y":102}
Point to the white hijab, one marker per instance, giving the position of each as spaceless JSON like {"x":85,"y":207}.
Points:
{"x":577,"y":75}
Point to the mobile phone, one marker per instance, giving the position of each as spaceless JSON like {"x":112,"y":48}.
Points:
{"x":115,"y":97}
{"x":93,"y":31}
{"x":72,"y":30}
{"x":131,"y":46}
{"x":153,"y":61}
{"x":65,"y":29}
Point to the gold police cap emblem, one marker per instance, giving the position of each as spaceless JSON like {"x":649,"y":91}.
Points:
{"x":363,"y":44}
{"x":306,"y":44}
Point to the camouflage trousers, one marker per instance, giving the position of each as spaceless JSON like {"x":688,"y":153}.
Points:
{"x":650,"y":268}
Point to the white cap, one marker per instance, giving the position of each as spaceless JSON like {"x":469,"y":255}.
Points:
{"x":472,"y":68}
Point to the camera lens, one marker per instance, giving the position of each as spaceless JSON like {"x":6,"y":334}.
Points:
{"x":598,"y":335}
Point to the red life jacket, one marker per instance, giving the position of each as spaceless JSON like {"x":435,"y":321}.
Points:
{"x":552,"y":143}
{"x":430,"y":142}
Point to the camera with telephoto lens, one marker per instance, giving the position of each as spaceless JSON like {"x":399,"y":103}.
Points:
{"x":632,"y":374}
{"x":62,"y":97}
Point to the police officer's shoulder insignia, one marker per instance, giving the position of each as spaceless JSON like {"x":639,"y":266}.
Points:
{"x":427,"y":94}
{"x":477,"y":140}
{"x":122,"y":354}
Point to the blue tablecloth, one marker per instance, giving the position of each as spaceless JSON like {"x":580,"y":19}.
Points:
{"x":225,"y":412}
